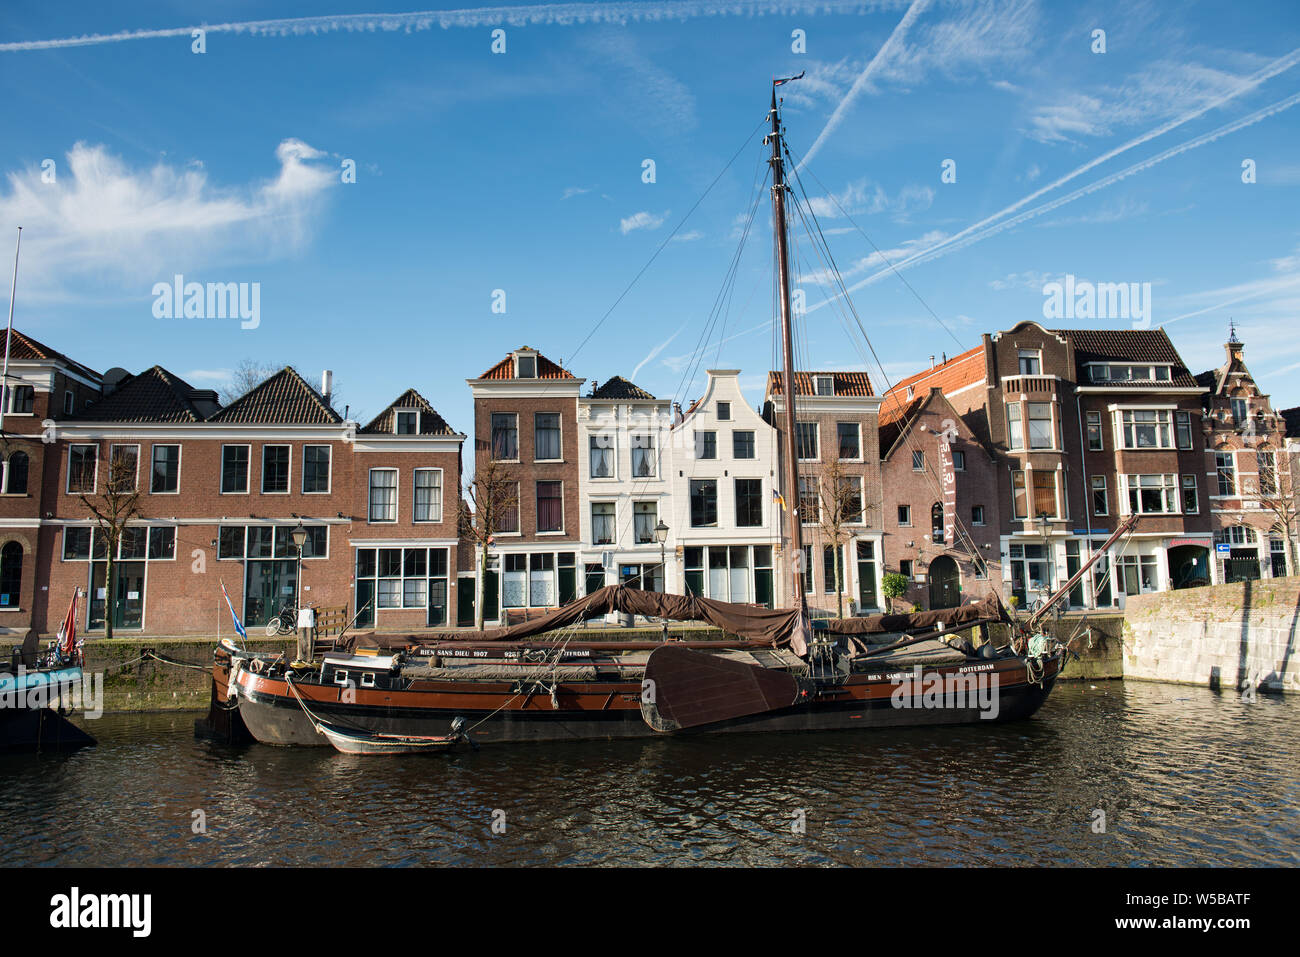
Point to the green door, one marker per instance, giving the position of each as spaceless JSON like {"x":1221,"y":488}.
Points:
{"x":867,"y":576}
{"x":490,"y":585}
{"x":465,"y":602}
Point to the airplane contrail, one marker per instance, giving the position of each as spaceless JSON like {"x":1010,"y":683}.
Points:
{"x":886,"y":49}
{"x":540,"y":14}
{"x":968,"y":238}
{"x":1280,"y":65}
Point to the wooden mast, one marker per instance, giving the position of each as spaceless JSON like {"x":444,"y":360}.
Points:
{"x":794,"y":519}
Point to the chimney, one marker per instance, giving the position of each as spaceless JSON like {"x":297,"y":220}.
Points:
{"x":326,"y":385}
{"x":677,"y":412}
{"x":931,"y":362}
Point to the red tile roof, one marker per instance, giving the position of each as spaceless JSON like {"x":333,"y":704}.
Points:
{"x":546,"y":369}
{"x":23,"y":346}
{"x":958,"y":372}
{"x":845,"y":383}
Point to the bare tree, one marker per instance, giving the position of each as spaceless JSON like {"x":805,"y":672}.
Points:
{"x":1277,"y":493}
{"x":113,"y":508}
{"x":250,"y":373}
{"x":493,"y":499}
{"x":842,"y":506}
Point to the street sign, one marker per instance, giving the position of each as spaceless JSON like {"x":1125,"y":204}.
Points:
{"x":1223,"y":547}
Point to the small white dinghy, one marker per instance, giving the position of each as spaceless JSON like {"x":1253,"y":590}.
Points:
{"x":352,"y":742}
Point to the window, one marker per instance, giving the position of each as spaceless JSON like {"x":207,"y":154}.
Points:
{"x":905,"y":567}
{"x":1267,"y":473}
{"x":809,"y":500}
{"x":1183,"y":421}
{"x":977,"y":514}
{"x":541,"y":579}
{"x":124,"y":467}
{"x":68,"y":400}
{"x":230,"y":541}
{"x":1030,"y":362}
{"x":428,"y":495}
{"x":918,"y":461}
{"x":749,"y":503}
{"x":643,"y":456}
{"x":1190,"y":504}
{"x":15,"y":478}
{"x":936,"y":522}
{"x":807,"y":570}
{"x":546,"y":427}
{"x":602,"y":523}
{"x":76,"y":544}
{"x":806,"y":437}
{"x":595,"y":575}
{"x":1100,"y":504}
{"x":166,"y":469}
{"x":1019,"y":496}
{"x":704,"y":502}
{"x":234,"y":469}
{"x":505,"y":437}
{"x":526,"y":367}
{"x":11,"y":574}
{"x":959,"y":460}
{"x":315,"y":469}
{"x":601,"y":455}
{"x":275,"y":469}
{"x":706,"y":445}
{"x":1240,"y":411}
{"x":1227,"y":470}
{"x":1151,"y":494}
{"x":1137,"y":574}
{"x":1147,"y":429}
{"x":1095,"y":441}
{"x":645,"y":517}
{"x":724,"y":411}
{"x":1040,"y":425}
{"x":162,"y":543}
{"x":507,"y":509}
{"x":1045,"y":494}
{"x":1015,"y":428}
{"x":904,"y":515}
{"x":850,"y":499}
{"x":407,"y":422}
{"x":23,"y":398}
{"x":850,"y":436}
{"x":383,"y":495}
{"x":405,"y":578}
{"x":550,"y":506}
{"x":824,"y":385}
{"x":742,"y":445}
{"x":1115,"y":372}
{"x":833,"y":579}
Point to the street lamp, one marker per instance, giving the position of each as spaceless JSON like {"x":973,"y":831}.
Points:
{"x":299,"y":538}
{"x":661,"y":535}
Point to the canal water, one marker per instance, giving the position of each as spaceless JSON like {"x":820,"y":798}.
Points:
{"x":1184,"y":776}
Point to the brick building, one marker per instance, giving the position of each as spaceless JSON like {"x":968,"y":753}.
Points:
{"x":940,"y":504}
{"x":222,"y":489}
{"x":526,"y":421}
{"x":1250,"y":492}
{"x":837,"y":418}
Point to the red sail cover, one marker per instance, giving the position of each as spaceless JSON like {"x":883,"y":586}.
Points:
{"x":753,"y":622}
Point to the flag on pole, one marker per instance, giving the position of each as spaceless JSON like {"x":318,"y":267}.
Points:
{"x":776,"y":497}
{"x":239,"y":625}
{"x":67,"y":640}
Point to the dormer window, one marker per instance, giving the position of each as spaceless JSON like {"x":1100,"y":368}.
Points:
{"x":408,"y":422}
{"x":1126,"y":372}
{"x":526,"y":367}
{"x":1031,"y":362}
{"x":824,"y":385}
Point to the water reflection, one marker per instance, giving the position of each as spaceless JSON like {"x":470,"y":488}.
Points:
{"x":1184,"y":776}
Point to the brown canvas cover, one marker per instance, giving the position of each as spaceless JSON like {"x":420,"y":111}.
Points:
{"x":775,"y":627}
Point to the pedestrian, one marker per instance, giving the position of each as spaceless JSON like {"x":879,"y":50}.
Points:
{"x":306,"y":625}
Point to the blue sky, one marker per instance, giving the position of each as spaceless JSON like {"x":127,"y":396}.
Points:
{"x":523,"y":171}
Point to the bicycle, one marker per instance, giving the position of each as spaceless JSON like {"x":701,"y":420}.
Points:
{"x":284,"y":623}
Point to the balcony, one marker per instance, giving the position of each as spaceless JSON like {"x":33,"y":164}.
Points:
{"x":1029,"y":384}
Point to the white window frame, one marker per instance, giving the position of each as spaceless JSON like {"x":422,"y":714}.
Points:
{"x":603,"y":435}
{"x":564,"y":518}
{"x":1093,"y":489}
{"x":397,"y":495}
{"x":654,"y":454}
{"x":613,"y":532}
{"x":861,"y":450}
{"x":415,"y":474}
{"x":1182,"y":491}
{"x":817,"y":439}
{"x":559,"y":418}
{"x":179,"y":454}
{"x":397,"y":416}
{"x":248,"y":469}
{"x":288,"y":469}
{"x":135,"y":487}
{"x":1171,"y":487}
{"x":329,"y":474}
{"x":492,"y":441}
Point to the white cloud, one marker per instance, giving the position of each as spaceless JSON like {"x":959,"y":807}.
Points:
{"x":688,"y":237}
{"x":572,"y":191}
{"x":642,"y":220}
{"x":120,"y":225}
{"x":863,"y":196}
